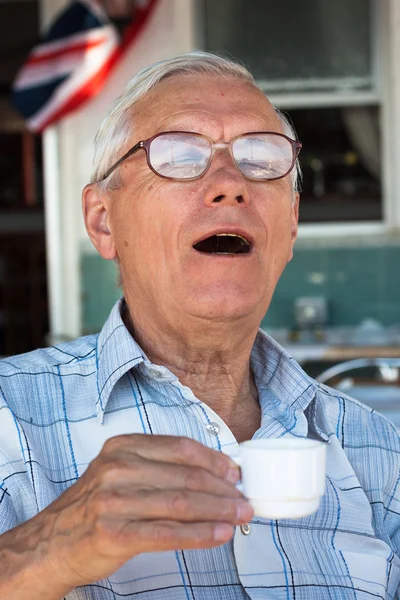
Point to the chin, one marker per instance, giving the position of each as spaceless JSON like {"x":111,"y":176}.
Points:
{"x":225,"y":307}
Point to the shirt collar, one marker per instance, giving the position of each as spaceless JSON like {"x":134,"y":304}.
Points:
{"x":278,"y":372}
{"x":116,"y":353}
{"x":287,"y":395}
{"x":279,"y":379}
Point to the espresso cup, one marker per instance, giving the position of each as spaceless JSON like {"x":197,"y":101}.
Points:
{"x":282,"y":478}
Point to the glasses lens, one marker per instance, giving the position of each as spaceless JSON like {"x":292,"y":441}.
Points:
{"x":263,"y":156}
{"x":179,"y":155}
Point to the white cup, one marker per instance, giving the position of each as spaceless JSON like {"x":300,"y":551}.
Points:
{"x":282,"y":478}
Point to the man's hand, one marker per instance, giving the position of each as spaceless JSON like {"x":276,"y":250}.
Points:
{"x":141,"y":494}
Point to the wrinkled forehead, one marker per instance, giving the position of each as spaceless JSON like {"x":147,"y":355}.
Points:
{"x":184,"y":101}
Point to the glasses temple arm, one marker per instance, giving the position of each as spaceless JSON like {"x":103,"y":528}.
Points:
{"x":132,"y":150}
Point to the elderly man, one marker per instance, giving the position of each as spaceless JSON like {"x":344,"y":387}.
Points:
{"x":115,"y":480}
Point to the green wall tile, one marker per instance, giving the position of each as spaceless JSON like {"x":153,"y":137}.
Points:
{"x":354,"y":284}
{"x":358,"y":283}
{"x":305,"y":275}
{"x":388,"y":312}
{"x":99,"y":291}
{"x":391,"y":274}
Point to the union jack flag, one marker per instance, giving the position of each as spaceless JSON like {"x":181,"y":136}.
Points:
{"x":72,"y":62}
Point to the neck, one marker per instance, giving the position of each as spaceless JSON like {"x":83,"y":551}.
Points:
{"x":213,"y":361}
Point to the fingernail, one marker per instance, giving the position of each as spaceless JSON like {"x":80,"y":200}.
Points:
{"x":233,"y":464}
{"x":244,"y":511}
{"x":232,"y":475}
{"x":223,"y":532}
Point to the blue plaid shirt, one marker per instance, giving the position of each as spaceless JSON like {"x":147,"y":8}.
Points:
{"x":59,"y":405}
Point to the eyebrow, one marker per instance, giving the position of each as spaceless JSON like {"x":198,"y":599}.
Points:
{"x":191,"y":125}
{"x":187,"y":127}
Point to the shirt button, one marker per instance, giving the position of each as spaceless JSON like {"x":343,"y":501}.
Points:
{"x":245,"y":528}
{"x":158,"y":374}
{"x":213,"y":428}
{"x":154,"y":373}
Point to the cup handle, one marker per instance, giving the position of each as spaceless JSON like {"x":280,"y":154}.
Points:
{"x":238,"y":460}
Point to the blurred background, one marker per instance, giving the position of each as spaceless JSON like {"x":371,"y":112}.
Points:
{"x":332,"y":67}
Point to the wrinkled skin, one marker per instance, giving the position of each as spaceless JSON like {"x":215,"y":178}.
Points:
{"x":196,"y":314}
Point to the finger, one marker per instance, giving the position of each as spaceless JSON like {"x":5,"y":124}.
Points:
{"x":176,"y":505}
{"x":145,"y":474}
{"x":174,"y":449}
{"x":136,"y":537}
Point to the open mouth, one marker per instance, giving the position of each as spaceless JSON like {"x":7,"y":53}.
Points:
{"x":224,"y":243}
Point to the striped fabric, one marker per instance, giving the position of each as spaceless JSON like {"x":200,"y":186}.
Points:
{"x":69,"y":66}
{"x":59,"y":405}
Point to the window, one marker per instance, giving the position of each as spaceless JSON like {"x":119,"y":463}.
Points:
{"x":316,"y":60}
{"x":290,"y":45}
{"x":340,"y":162}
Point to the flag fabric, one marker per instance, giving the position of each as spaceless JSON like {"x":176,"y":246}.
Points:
{"x":72,"y":62}
{"x":143,"y":10}
{"x":67,"y":67}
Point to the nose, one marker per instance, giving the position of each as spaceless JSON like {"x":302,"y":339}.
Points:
{"x":226,"y":184}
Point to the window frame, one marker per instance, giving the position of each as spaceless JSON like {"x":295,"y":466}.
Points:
{"x":385,"y":93}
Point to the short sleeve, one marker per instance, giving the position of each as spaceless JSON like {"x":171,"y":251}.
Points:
{"x":17,"y":496}
{"x":8,"y":517}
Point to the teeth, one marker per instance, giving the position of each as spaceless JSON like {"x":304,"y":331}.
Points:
{"x":231,"y":235}
{"x":212,"y":244}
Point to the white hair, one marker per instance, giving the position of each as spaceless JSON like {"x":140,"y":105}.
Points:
{"x":116,"y":128}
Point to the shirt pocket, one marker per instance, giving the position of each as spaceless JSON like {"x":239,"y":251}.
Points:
{"x":359,"y":573}
{"x":367,"y":572}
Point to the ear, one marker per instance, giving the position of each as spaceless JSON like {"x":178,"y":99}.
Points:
{"x":294,"y":222}
{"x":95,"y":208}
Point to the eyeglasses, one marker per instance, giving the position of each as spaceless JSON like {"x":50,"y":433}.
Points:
{"x":183,"y":155}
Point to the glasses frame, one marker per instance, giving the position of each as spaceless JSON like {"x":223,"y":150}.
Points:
{"x":145,"y":145}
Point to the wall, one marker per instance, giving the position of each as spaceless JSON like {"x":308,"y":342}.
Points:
{"x":69,"y":145}
{"x":353,"y":291}
{"x":99,"y":291}
{"x":358,"y":282}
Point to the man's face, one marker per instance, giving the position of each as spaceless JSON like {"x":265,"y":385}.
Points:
{"x":155,"y":222}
